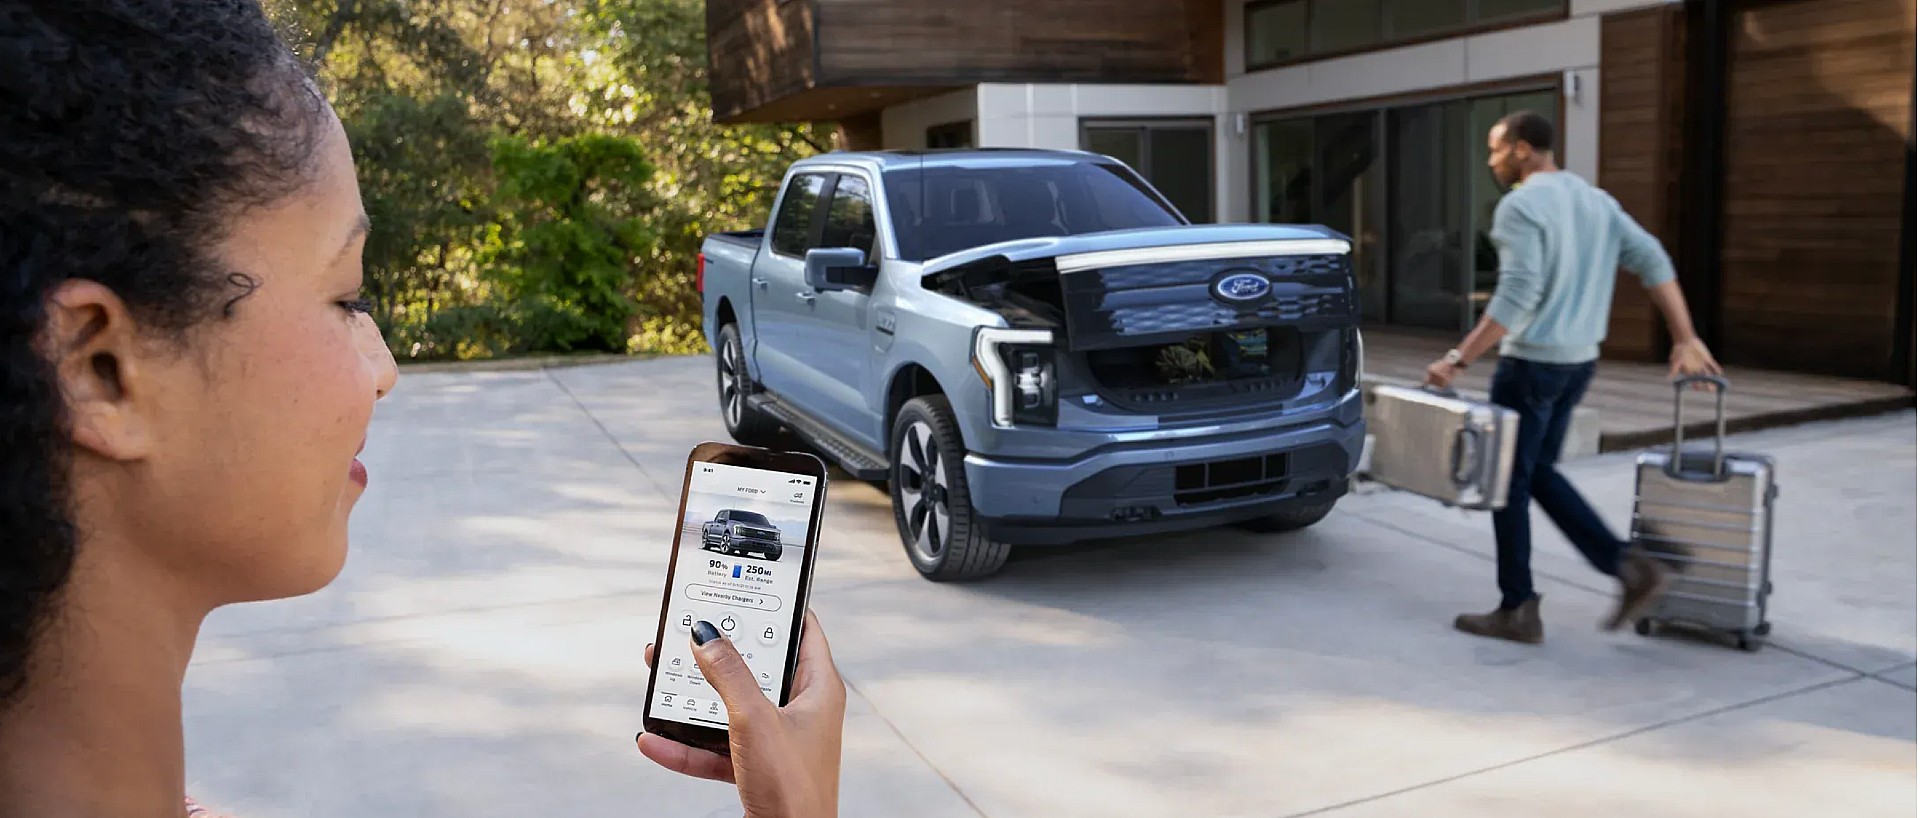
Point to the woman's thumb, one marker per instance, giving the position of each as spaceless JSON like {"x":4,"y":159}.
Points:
{"x":726,"y":671}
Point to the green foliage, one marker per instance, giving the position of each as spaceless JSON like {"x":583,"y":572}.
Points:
{"x":540,"y":173}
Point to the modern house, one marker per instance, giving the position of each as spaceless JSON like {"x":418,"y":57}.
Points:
{"x":1769,"y":143}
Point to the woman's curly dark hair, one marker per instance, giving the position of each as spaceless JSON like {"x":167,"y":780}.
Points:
{"x":131,"y":132}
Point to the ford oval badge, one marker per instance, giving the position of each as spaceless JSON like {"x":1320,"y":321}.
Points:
{"x":1240,"y":288}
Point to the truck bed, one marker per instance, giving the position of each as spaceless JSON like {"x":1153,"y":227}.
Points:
{"x":745,"y":238}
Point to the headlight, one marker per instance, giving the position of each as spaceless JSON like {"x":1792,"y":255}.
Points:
{"x":1018,"y":368}
{"x":1356,"y":363}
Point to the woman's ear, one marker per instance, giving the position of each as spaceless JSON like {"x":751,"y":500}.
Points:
{"x":95,"y":349}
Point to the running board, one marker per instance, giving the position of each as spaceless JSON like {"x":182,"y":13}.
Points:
{"x":861,"y":462}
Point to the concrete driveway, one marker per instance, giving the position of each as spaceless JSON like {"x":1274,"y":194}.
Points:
{"x":480,"y":655}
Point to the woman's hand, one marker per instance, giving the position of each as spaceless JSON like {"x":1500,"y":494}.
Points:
{"x":786,"y":760}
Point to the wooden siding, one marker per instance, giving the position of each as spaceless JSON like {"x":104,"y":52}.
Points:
{"x":1642,"y":100}
{"x":1819,"y":112}
{"x":758,"y":51}
{"x":905,"y":42}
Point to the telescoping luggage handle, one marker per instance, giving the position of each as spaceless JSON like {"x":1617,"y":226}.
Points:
{"x":1719,"y":424}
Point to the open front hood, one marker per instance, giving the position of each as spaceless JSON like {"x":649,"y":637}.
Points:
{"x":1126,"y":247}
{"x":1161,"y":285}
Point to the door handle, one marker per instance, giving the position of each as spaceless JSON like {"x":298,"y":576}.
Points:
{"x":805,"y":297}
{"x":760,"y":282}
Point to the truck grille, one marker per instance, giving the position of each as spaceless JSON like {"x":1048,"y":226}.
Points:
{"x":1211,"y":482}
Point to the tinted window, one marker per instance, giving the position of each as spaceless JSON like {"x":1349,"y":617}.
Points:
{"x":750,"y":518}
{"x":796,"y":214}
{"x":849,"y":216}
{"x":941,"y":210}
{"x":1276,"y":32}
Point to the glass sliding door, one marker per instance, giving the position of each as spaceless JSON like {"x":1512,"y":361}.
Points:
{"x":1427,"y":202}
{"x":1410,"y":184}
{"x":1283,"y":172}
{"x":1175,"y":157}
{"x":1347,"y":148}
{"x":1326,"y":170}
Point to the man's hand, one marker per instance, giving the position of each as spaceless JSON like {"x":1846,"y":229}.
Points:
{"x":1692,"y":357}
{"x":785,"y":760}
{"x":1440,"y":374}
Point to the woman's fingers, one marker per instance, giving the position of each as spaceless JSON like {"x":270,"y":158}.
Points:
{"x":685,"y":760}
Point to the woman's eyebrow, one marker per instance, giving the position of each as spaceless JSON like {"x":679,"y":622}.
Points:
{"x":360,"y":228}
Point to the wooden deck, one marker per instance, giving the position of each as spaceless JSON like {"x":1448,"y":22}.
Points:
{"x":1635,"y":403}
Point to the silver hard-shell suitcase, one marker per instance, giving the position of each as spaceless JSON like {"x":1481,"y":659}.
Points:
{"x":1709,"y":517}
{"x":1440,"y":445}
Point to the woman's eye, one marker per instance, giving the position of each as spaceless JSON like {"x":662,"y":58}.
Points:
{"x":358,"y":306}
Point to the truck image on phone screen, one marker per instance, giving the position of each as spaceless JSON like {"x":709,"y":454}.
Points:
{"x":741,"y":532}
{"x":1036,"y":347}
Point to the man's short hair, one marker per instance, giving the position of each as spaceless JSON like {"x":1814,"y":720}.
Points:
{"x":1529,"y":127}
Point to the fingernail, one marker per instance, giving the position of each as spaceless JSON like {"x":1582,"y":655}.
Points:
{"x":704,"y":632}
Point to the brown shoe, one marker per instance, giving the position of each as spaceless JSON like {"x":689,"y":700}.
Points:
{"x":1642,"y":580}
{"x":1521,"y":624}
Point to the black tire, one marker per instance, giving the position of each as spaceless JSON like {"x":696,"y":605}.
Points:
{"x":746,"y":425}
{"x":1293,"y":519}
{"x":1644,"y":627}
{"x":928,"y":483}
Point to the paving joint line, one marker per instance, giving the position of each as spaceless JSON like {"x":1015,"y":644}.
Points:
{"x":951,"y":784}
{"x":1790,"y":651}
{"x":608,"y":433}
{"x":1584,"y":745}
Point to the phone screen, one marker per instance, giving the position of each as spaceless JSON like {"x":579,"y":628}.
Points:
{"x":742,"y":554}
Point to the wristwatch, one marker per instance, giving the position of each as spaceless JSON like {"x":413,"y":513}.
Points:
{"x":1454,"y":359}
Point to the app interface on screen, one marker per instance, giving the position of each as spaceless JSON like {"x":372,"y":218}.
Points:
{"x":742,"y":541}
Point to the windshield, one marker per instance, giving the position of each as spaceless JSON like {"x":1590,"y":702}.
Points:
{"x":750,"y":518}
{"x":946,"y":209}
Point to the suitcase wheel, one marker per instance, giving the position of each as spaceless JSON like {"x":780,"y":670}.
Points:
{"x":1763,"y":629}
{"x":1644,"y":627}
{"x":1750,"y":641}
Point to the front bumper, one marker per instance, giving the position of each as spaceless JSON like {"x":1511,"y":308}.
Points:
{"x":1159,"y":487}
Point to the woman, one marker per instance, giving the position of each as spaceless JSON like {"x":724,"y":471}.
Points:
{"x":187,"y":372}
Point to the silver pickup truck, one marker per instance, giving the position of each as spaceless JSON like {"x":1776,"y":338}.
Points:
{"x":1035,"y":347}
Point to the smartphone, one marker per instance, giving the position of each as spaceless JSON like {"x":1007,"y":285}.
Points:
{"x":742,"y":559}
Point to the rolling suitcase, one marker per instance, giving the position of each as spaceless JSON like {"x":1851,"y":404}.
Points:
{"x":1440,"y":445}
{"x":1709,"y":517}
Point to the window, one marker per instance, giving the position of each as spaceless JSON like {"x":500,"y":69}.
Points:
{"x":1344,"y":25}
{"x":849,"y":221}
{"x":951,"y":135}
{"x":1496,"y":10}
{"x":794,"y":222}
{"x":1276,"y":32}
{"x":1280,"y":31}
{"x":1408,"y":19}
{"x":1175,"y":157}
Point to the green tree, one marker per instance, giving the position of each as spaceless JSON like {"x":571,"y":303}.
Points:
{"x":540,"y":172}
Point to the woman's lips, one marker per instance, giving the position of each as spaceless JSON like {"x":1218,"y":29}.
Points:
{"x":358,"y":472}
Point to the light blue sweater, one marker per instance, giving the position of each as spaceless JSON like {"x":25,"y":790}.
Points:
{"x":1562,"y":243}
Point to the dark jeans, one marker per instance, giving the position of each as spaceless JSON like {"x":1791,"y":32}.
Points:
{"x":1544,"y":395}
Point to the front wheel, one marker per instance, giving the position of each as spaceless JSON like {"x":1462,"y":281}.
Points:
{"x":943,"y":536}
{"x":746,"y":425}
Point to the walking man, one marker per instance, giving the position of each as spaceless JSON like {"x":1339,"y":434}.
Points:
{"x":1562,"y":242}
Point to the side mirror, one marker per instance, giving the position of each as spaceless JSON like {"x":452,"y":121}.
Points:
{"x":839,"y":268}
